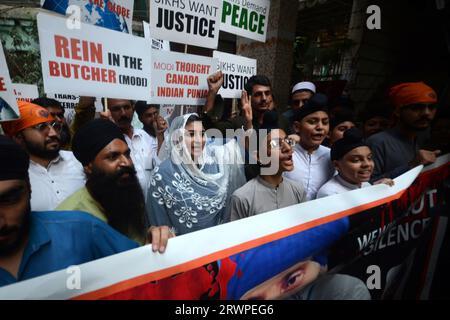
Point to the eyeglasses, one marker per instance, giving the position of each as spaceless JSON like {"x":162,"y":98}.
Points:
{"x":276,"y":143}
{"x":45,"y":126}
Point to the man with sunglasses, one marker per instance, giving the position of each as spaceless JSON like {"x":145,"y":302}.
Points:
{"x":269,"y":190}
{"x":57,"y":111}
{"x":398,"y":149}
{"x":54,"y":174}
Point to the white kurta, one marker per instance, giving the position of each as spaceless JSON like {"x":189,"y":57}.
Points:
{"x":144,"y":149}
{"x":338,"y":185}
{"x":311,"y":170}
{"x":51,"y":185}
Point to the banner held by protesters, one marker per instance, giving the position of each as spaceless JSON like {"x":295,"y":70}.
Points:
{"x":192,"y":22}
{"x":180,"y":78}
{"x":246,"y":18}
{"x":93,"y":61}
{"x":25,"y":92}
{"x":236,"y":71}
{"x":237,"y":272}
{"x":8,"y":105}
{"x":111,"y":14}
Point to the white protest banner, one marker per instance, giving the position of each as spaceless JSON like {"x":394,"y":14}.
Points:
{"x":8,"y":104}
{"x":179,"y":78}
{"x":156,"y":43}
{"x":93,"y":61}
{"x":236,"y":71}
{"x":25,"y":92}
{"x":143,"y":274}
{"x":246,"y":18}
{"x":193,"y":22}
{"x":69,"y":102}
{"x":111,"y":14}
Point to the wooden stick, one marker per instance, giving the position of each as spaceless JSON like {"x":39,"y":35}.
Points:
{"x":105,"y":105}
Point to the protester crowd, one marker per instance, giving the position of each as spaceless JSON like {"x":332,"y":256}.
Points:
{"x":74,"y":193}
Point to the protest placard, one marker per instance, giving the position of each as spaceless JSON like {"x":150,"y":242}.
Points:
{"x":25,"y":92}
{"x":246,"y":18}
{"x":236,"y":71}
{"x":69,"y":102}
{"x":111,"y":14}
{"x":93,"y":61}
{"x":180,"y":78}
{"x":8,"y":105}
{"x":157,"y":44}
{"x":193,"y":22}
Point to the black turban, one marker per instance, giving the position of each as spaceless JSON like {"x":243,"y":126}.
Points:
{"x":353,"y":138}
{"x":91,"y":138}
{"x":341,"y":117}
{"x":318,"y":102}
{"x":14,"y":161}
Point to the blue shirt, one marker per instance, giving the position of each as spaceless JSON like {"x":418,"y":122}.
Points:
{"x":59,"y":239}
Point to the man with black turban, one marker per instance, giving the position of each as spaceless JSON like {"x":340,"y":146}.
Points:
{"x":34,"y":243}
{"x":112,"y":192}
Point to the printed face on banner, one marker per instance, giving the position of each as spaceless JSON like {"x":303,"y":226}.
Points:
{"x":111,"y":14}
{"x":25,"y":92}
{"x":180,"y":78}
{"x":93,"y":61}
{"x":246,"y":18}
{"x":236,"y":71}
{"x":193,"y":22}
{"x":8,"y":105}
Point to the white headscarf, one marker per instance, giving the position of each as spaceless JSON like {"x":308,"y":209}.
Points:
{"x":190,"y":196}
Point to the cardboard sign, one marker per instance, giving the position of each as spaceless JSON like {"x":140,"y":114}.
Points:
{"x":25,"y":92}
{"x":236,"y":71}
{"x":111,"y":14}
{"x":8,"y":105}
{"x":246,"y":18}
{"x":179,"y":78}
{"x":93,"y":61}
{"x":156,"y":43}
{"x":193,"y":22}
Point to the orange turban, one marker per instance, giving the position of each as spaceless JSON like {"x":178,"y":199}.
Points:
{"x":30,"y":115}
{"x":408,"y":93}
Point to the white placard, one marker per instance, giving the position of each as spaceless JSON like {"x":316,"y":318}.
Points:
{"x":179,"y":78}
{"x":93,"y":61}
{"x":156,"y":43}
{"x":192,"y":22}
{"x":25,"y":92}
{"x":8,"y":104}
{"x":246,"y":18}
{"x":111,"y":14}
{"x":69,"y":102}
{"x":236,"y":71}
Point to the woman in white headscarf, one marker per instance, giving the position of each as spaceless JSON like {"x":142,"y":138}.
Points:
{"x":191,"y":188}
